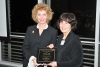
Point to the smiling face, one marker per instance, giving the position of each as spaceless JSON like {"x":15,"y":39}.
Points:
{"x":41,"y":16}
{"x":65,"y":27}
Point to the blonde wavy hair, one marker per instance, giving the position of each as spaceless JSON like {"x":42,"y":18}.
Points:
{"x":44,"y":7}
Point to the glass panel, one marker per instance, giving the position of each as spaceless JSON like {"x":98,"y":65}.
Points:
{"x":85,"y":11}
{"x":21,"y":14}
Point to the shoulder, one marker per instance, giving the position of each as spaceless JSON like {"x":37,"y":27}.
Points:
{"x":75,"y":36}
{"x":76,"y":40}
{"x":60,"y":36}
{"x":51,"y":28}
{"x":31,"y":28}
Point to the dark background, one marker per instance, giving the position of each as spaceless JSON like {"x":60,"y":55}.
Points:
{"x":85,"y":11}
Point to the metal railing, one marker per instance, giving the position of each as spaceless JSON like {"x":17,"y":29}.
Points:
{"x":12,"y":51}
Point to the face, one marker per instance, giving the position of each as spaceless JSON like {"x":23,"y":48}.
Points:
{"x":65,"y":27}
{"x":41,"y":16}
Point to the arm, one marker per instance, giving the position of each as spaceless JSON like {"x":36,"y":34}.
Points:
{"x":25,"y":47}
{"x":54,"y":37}
{"x":53,"y":40}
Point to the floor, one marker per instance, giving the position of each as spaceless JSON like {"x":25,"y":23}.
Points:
{"x":10,"y":64}
{"x":4,"y":65}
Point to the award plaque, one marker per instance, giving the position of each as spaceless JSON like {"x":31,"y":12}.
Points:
{"x":46,"y":55}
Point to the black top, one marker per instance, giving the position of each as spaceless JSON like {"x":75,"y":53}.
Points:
{"x":33,"y":40}
{"x":71,"y":53}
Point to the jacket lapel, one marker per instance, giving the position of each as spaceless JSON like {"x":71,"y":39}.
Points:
{"x":68,"y":40}
{"x":59,"y":41}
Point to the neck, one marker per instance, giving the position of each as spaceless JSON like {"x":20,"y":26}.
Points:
{"x":65,"y":35}
{"x":42,"y":25}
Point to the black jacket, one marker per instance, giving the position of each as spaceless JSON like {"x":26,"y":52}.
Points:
{"x":33,"y":40}
{"x":71,"y":53}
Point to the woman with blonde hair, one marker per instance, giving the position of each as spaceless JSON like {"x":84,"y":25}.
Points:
{"x":40,"y":35}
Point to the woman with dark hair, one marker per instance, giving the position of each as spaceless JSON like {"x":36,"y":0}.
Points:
{"x":69,"y":47}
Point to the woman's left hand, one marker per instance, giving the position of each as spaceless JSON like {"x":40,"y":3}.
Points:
{"x":51,"y":46}
{"x":53,"y":64}
{"x":35,"y":62}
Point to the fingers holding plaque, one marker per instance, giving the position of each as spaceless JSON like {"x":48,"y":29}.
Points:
{"x":46,"y":55}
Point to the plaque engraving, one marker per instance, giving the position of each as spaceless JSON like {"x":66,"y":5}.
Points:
{"x":46,"y":55}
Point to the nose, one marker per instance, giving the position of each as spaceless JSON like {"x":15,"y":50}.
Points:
{"x":41,"y":16}
{"x":63,"y":24}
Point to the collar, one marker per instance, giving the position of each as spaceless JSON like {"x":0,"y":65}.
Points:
{"x":44,"y":28}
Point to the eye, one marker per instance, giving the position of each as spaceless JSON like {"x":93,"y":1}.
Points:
{"x":66,"y":22}
{"x":61,"y":22}
{"x":38,"y":14}
{"x":44,"y":14}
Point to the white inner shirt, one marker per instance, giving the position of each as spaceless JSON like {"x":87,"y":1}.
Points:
{"x":62,"y":42}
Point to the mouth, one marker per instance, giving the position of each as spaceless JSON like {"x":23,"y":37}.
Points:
{"x":63,"y":28}
{"x":42,"y":20}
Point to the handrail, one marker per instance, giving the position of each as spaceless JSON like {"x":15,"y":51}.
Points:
{"x":17,"y":43}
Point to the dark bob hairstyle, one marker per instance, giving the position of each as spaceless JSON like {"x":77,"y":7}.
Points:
{"x":68,"y":17}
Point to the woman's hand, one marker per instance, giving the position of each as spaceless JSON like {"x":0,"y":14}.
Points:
{"x":53,"y":64}
{"x":51,"y":46}
{"x":35,"y":62}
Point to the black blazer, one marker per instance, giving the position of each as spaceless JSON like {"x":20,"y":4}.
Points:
{"x":33,"y":40}
{"x":71,"y":53}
